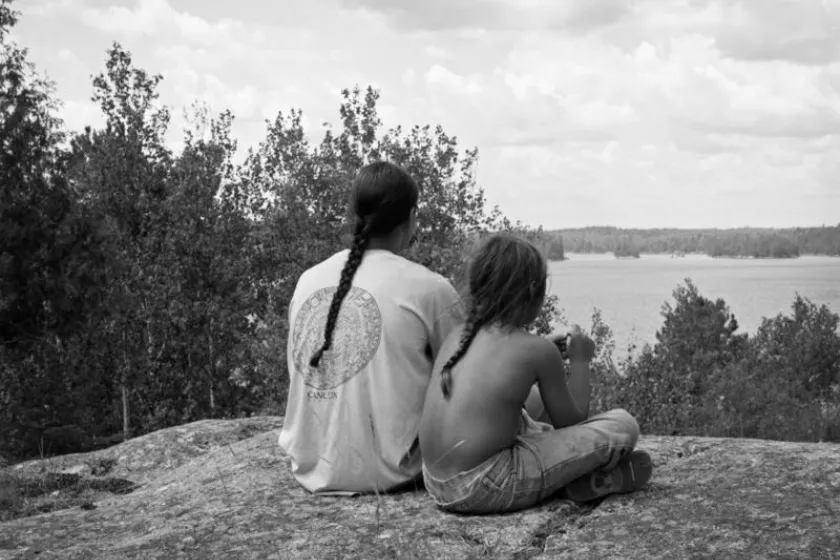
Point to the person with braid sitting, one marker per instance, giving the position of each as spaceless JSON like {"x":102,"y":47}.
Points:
{"x":482,"y":450}
{"x":366,"y":325}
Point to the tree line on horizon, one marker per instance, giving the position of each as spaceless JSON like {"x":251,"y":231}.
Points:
{"x":735,"y":242}
{"x":142,"y":288}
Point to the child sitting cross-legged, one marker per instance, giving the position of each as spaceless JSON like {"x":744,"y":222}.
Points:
{"x":482,"y":452}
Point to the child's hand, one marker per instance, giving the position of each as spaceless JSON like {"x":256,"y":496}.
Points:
{"x":581,"y":348}
{"x":561,"y":339}
{"x":573,"y":344}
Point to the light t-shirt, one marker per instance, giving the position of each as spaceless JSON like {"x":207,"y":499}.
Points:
{"x":352,"y":423}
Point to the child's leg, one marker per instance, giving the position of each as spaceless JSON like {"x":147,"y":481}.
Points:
{"x":567,"y":454}
{"x":542,"y":461}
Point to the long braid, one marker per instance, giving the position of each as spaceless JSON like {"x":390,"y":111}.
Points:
{"x":361,"y":237}
{"x":471,"y":329}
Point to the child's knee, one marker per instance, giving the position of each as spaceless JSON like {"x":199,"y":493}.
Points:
{"x":628,"y":423}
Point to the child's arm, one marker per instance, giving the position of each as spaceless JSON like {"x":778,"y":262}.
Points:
{"x":580,"y":386}
{"x":580,"y":351}
{"x":557,"y":393}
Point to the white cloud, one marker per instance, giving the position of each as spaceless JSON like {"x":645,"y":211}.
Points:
{"x":156,"y":17}
{"x":480,"y":15}
{"x":803,"y":31}
{"x":440,"y":76}
{"x":42,"y":8}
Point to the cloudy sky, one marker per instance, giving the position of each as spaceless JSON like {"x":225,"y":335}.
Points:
{"x":635,"y":113}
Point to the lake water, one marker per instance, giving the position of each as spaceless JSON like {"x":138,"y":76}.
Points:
{"x":630,"y":292}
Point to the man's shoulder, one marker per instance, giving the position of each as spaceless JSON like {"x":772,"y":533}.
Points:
{"x":417,"y":273}
{"x":323,"y":274}
{"x":453,"y":339}
{"x":328,"y":266}
{"x":417,"y":269}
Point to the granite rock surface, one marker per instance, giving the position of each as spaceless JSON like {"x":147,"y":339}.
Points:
{"x":222,"y":489}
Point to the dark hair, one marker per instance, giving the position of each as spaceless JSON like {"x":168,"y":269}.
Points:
{"x":382,"y":197}
{"x":506,"y":280}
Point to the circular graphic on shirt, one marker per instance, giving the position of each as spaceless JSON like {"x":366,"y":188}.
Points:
{"x":356,"y":337}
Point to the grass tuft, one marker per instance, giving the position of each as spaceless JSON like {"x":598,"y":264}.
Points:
{"x":23,"y":496}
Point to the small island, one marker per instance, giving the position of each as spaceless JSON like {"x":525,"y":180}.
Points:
{"x":626,"y":249}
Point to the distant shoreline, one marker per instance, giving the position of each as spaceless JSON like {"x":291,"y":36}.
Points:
{"x":756,"y":243}
{"x":571,"y":254}
{"x":743,"y":229}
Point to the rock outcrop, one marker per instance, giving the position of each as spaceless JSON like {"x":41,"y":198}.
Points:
{"x":222,"y":489}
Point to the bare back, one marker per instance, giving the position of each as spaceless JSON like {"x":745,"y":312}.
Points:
{"x":489,"y":386}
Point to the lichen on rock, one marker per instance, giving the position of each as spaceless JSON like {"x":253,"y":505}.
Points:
{"x":222,"y":489}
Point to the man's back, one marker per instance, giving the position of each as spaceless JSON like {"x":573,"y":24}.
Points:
{"x":351,"y":423}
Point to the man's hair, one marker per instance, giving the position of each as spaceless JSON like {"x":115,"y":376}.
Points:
{"x":382,"y":198}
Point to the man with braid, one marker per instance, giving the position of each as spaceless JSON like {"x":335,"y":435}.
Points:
{"x":482,"y":450}
{"x":365,"y":328}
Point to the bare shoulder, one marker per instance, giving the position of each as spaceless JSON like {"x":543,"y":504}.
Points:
{"x":532,"y":349}
{"x":535,"y":342}
{"x":522,"y":356}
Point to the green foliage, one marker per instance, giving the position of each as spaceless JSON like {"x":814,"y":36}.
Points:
{"x":788,"y":384}
{"x":669,"y":380}
{"x":703,"y":378}
{"x":803,"y":348}
{"x":769,"y":245}
{"x":51,"y":257}
{"x":603,"y":368}
{"x":8,"y":18}
{"x":556,"y":250}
